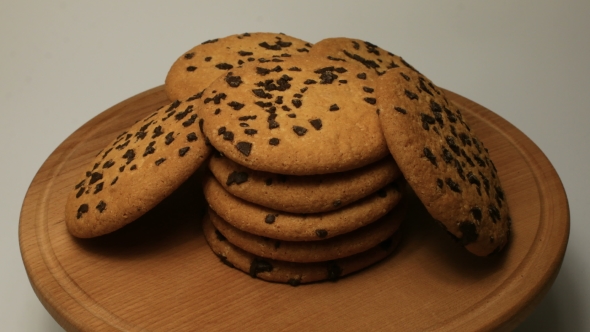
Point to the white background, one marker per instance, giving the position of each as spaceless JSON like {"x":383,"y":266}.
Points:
{"x":63,"y":62}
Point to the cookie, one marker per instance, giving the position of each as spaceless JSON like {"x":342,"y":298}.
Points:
{"x":340,"y":246}
{"x":443,"y":160}
{"x":303,"y":194}
{"x":289,"y":272}
{"x":136,"y":171}
{"x":286,"y":226}
{"x":193,"y":71}
{"x":369,"y":55}
{"x":302,"y":116}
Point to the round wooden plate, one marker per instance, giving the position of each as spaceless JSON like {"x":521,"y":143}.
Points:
{"x":158,"y":272}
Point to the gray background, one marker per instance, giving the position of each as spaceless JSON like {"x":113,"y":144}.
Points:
{"x":63,"y":62}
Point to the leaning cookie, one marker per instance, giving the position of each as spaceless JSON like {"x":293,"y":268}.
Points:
{"x":302,"y":194}
{"x":304,"y":115}
{"x":286,"y":226}
{"x":193,"y":71}
{"x":136,"y":171}
{"x":340,"y":246}
{"x":289,"y":272}
{"x":443,"y":160}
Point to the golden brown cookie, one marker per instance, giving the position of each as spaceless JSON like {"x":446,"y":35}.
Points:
{"x":286,"y":226}
{"x":136,"y":171}
{"x":371,"y":56}
{"x":193,"y":71}
{"x":289,"y":272}
{"x":443,"y":160}
{"x":336,"y":247}
{"x":303,"y":116}
{"x":302,"y":194}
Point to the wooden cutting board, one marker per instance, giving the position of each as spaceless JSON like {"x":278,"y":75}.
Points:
{"x":159,"y":274}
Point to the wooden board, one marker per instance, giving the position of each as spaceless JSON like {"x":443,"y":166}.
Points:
{"x":159,"y":274}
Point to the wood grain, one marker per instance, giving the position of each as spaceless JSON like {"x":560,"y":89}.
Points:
{"x":158,"y":273}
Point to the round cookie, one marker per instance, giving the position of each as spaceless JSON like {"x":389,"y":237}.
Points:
{"x":136,"y":171}
{"x":193,"y":71}
{"x":286,"y":226}
{"x":302,"y":194}
{"x":303,"y":116}
{"x":340,"y":246}
{"x":369,"y":55}
{"x":289,"y":272}
{"x":443,"y":161}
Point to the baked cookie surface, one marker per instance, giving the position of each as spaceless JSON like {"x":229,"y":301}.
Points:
{"x":193,"y":71}
{"x":443,"y":161}
{"x":302,"y":116}
{"x":302,"y":194}
{"x":337,"y":247}
{"x":279,"y":225}
{"x":136,"y":171}
{"x":369,"y":55}
{"x":291,"y":273}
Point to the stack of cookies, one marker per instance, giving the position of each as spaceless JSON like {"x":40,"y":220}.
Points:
{"x":309,"y":148}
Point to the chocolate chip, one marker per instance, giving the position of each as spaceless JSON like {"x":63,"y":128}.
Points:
{"x":294,"y":282}
{"x":473,"y":179}
{"x":401,"y":110}
{"x":451,"y":143}
{"x":233,"y":81}
{"x":316,"y":123}
{"x":371,"y":101}
{"x":191,"y":137}
{"x":453,"y":185}
{"x":183,"y":151}
{"x":189,"y":55}
{"x":235,"y":105}
{"x":334,"y":271}
{"x":258,"y":266}
{"x":228,"y":135}
{"x":321,"y":233}
{"x":169,"y":138}
{"x":80,"y":192}
{"x":191,"y":68}
{"x":270,"y":218}
{"x":114,"y":180}
{"x":81,"y":210}
{"x":366,"y":62}
{"x":469,"y":230}
{"x":133,"y":167}
{"x":476,"y":213}
{"x":309,"y":81}
{"x":149,"y":149}
{"x":334,"y":107}
{"x":250,"y":131}
{"x":237,"y":178}
{"x":494,"y":213}
{"x":94,"y":177}
{"x":224,"y":66}
{"x":245,"y":53}
{"x":267,"y":46}
{"x":411,"y":95}
{"x":300,"y":131}
{"x":367,"y":89}
{"x":101,"y":206}
{"x":327,"y":77}
{"x":207,"y":59}
{"x":211,"y":41}
{"x":273,"y":141}
{"x":430,"y":156}
{"x":362,"y":76}
{"x":244,"y":147}
{"x":190,"y":121}
{"x":296,"y":102}
{"x":439,"y":183}
{"x":108,"y":164}
{"x":160,"y":161}
{"x":427,"y":120}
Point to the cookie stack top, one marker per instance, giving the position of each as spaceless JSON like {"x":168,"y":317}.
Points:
{"x":301,"y":115}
